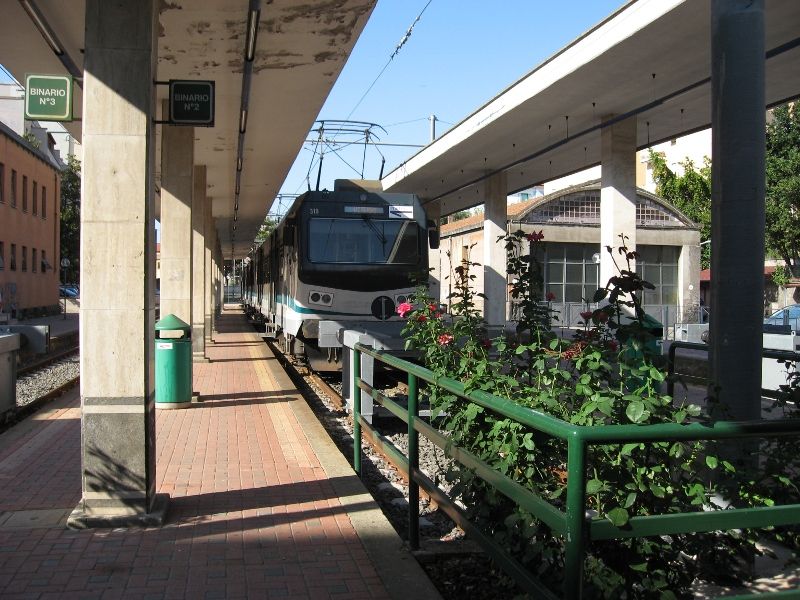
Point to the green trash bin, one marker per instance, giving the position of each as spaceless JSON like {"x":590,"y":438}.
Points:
{"x":173,"y":364}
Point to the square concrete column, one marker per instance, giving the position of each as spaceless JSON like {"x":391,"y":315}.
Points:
{"x":617,"y":194}
{"x":432,"y":213}
{"x":118,"y":268}
{"x":494,"y":253}
{"x":738,"y":147}
{"x":199,"y":282}
{"x":209,"y":274}
{"x":177,"y":184}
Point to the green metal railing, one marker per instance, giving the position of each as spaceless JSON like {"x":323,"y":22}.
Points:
{"x":571,"y":523}
{"x":787,"y":355}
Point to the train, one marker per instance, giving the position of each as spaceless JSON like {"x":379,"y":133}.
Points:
{"x":338,"y":259}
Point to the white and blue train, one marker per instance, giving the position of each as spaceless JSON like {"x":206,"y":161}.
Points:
{"x":338,"y":260}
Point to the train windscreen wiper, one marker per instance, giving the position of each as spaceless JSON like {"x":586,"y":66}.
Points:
{"x":373,"y":227}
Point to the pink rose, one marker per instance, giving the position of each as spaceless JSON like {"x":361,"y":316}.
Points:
{"x":586,"y":315}
{"x":445,"y":339}
{"x":550,"y":296}
{"x":403,"y":309}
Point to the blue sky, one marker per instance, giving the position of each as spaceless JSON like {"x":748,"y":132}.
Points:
{"x":460,"y":54}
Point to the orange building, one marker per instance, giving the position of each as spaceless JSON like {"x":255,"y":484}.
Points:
{"x":30,"y":184}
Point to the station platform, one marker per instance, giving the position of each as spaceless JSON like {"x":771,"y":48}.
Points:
{"x":262,"y":503}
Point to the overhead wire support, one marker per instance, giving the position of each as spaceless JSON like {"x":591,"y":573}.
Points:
{"x":400,"y":44}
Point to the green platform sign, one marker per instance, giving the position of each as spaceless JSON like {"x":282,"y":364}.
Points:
{"x":48,"y":97}
{"x":191,"y":103}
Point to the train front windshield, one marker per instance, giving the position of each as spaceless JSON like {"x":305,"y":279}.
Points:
{"x":363,"y":241}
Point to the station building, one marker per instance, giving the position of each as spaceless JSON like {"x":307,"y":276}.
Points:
{"x":30,"y":184}
{"x":668,"y":244}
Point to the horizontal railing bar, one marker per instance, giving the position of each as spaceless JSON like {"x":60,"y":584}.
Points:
{"x":526,"y":499}
{"x":527,"y":416}
{"x":667,"y":432}
{"x":597,"y":433}
{"x":716,"y":520}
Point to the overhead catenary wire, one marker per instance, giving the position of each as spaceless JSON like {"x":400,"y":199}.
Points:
{"x":400,"y":44}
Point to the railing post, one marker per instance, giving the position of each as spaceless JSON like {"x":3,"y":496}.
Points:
{"x":413,"y":464}
{"x":357,"y":411}
{"x":671,"y":369}
{"x":576,"y":517}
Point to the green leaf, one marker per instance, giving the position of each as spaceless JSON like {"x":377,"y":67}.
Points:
{"x":656,"y":375}
{"x":599,"y":294}
{"x":636,"y":411}
{"x":593,"y":486}
{"x":641,"y":567}
{"x":618,"y":516}
{"x":658,"y":491}
{"x":630,"y":500}
{"x":728,"y":466}
{"x":628,"y":448}
{"x":712,"y":462}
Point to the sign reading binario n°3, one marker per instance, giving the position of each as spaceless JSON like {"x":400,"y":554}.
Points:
{"x":48,"y":97}
{"x":191,"y":103}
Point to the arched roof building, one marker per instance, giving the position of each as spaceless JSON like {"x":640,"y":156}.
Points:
{"x":668,"y":244}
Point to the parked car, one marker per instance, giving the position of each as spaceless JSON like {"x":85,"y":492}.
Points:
{"x":788,"y":315}
{"x":67,"y":291}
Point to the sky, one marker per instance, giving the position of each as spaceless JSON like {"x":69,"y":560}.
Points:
{"x":461,"y":54}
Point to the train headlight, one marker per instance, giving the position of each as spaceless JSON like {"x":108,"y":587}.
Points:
{"x":323,"y":298}
{"x":400,"y":299}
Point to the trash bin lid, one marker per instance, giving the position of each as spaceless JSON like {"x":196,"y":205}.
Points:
{"x":172,"y":323}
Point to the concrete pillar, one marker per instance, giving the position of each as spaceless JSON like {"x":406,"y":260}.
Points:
{"x":737,"y":204}
{"x":434,"y":256}
{"x":494,"y":253}
{"x":177,"y":182}
{"x":689,"y":283}
{"x":118,"y":268}
{"x":199,"y":203}
{"x":209,"y":274}
{"x":617,"y":194}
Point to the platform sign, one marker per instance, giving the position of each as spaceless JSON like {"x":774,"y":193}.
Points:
{"x":48,"y":97}
{"x":191,"y":103}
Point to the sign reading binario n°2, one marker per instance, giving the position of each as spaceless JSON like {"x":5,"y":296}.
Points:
{"x":48,"y":97}
{"x":191,"y":103}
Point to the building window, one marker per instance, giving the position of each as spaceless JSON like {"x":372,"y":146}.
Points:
{"x":24,"y":259}
{"x":44,"y":262}
{"x":13,"y":257}
{"x":571,"y":272}
{"x":44,"y":202}
{"x":2,"y":183}
{"x":35,"y":198}
{"x":24,"y":193}
{"x":33,"y":259}
{"x":2,"y":256}
{"x":659,"y":266}
{"x":13,"y":188}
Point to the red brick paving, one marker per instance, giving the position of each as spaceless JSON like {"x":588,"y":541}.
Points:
{"x":252,"y":513}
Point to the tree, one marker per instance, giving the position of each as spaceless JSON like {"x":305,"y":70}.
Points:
{"x":265,"y":229}
{"x":782,"y":226}
{"x":690,"y":193}
{"x":71,"y":218}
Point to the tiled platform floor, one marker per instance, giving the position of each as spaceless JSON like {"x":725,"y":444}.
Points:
{"x":262,"y":504}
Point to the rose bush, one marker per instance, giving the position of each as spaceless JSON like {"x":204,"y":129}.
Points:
{"x":608,"y":374}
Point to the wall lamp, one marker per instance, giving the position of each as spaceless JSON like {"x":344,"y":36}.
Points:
{"x":252,"y":33}
{"x":238,"y":163}
{"x":243,"y":121}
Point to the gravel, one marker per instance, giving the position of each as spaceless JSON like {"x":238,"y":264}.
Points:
{"x":38,"y":383}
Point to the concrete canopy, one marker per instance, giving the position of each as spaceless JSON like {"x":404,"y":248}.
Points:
{"x":300,"y":51}
{"x":651,"y":59}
